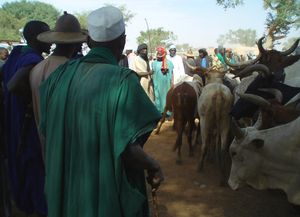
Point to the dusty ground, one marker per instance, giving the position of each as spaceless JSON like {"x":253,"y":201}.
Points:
{"x":186,"y":193}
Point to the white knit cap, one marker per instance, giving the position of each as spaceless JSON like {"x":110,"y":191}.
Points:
{"x":105,"y":24}
{"x":172,"y":47}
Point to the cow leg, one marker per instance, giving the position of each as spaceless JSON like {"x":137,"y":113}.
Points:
{"x":162,"y":120}
{"x":180,"y":128}
{"x":204,"y":136}
{"x":191,"y":126}
{"x":224,"y":143}
{"x":198,"y":135}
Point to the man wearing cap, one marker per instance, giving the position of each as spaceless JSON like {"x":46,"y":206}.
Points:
{"x":26,"y":169}
{"x":67,"y":36}
{"x":94,"y":128}
{"x":191,"y":61}
{"x":142,"y":68}
{"x":178,"y":71}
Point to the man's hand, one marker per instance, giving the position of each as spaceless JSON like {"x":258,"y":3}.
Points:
{"x":155,"y":177}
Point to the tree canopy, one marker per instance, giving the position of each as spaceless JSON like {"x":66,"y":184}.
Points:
{"x":244,"y":37}
{"x":230,"y":3}
{"x":283,"y":15}
{"x":14,"y":15}
{"x":156,"y":37}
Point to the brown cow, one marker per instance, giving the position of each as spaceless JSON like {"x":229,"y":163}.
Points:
{"x":182,"y":101}
{"x":272,"y":113}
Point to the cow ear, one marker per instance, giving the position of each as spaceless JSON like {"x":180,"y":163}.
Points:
{"x":290,"y":60}
{"x":257,"y":143}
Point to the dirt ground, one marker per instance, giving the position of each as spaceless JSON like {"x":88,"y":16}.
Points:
{"x":187,"y":193}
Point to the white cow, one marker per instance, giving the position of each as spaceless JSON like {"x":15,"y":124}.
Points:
{"x":267,"y":158}
{"x":214,"y":105}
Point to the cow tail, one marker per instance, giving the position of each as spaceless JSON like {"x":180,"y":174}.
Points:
{"x":218,"y":112}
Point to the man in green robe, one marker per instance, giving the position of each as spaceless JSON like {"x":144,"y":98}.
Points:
{"x":96,"y":117}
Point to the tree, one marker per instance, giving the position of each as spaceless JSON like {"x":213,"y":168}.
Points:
{"x":82,"y":18}
{"x":230,"y":3}
{"x":244,"y":37}
{"x":15,"y":15}
{"x":158,"y":37}
{"x":283,"y":15}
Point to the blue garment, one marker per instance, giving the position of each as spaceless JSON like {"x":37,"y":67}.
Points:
{"x":26,"y":169}
{"x":203,"y":63}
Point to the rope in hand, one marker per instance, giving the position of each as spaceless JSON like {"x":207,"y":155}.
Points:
{"x":154,"y":203}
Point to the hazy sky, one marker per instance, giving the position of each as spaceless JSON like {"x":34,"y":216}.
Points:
{"x":197,"y":22}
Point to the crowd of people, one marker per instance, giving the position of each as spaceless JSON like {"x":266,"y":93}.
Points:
{"x":72,"y":133}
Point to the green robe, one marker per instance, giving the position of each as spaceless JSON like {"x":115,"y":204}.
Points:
{"x":91,"y":110}
{"x":161,"y":83}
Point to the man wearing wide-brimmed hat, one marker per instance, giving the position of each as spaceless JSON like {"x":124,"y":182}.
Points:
{"x":67,"y":36}
{"x":96,"y":118}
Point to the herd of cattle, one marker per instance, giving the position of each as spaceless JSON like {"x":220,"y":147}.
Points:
{"x":254,"y":119}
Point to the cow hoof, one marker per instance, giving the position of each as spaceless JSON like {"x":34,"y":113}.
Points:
{"x":178,"y":162}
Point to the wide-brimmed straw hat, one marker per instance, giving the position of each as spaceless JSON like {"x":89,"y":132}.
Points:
{"x":189,"y":53}
{"x":67,"y":31}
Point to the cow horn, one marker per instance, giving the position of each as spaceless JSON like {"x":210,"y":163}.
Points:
{"x":260,"y":46}
{"x":255,"y":99}
{"x":277,"y":93}
{"x":291,"y":49}
{"x":256,"y":67}
{"x":238,"y":132}
{"x":243,"y":64}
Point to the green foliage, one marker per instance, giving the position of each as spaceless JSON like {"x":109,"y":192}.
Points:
{"x":9,"y":26}
{"x":282,"y":16}
{"x":244,"y":37}
{"x":82,"y":18}
{"x":14,"y":15}
{"x":158,"y":37}
{"x":230,"y":3}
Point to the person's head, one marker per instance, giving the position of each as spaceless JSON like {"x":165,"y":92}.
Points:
{"x":106,"y":28}
{"x":229,"y":53}
{"x":172,"y":50}
{"x":30,"y":32}
{"x":3,"y":53}
{"x":67,"y":35}
{"x":189,"y":54}
{"x":128,"y":51}
{"x":216,"y":50}
{"x":160,"y":53}
{"x":202,"y":52}
{"x":142,"y":49}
